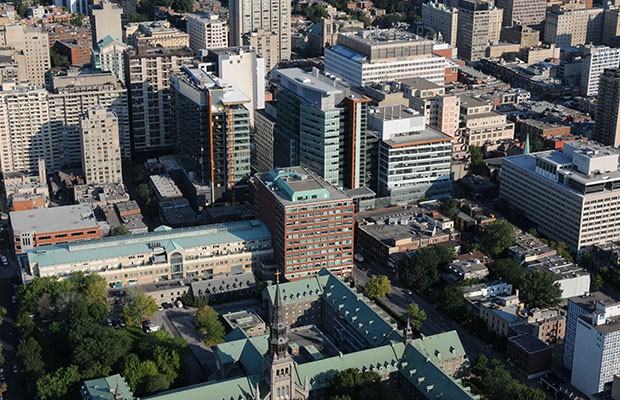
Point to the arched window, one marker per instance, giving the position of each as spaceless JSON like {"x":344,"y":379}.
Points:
{"x":176,"y":263}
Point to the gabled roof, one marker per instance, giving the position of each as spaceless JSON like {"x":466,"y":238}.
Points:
{"x":247,"y":352}
{"x":441,"y":346}
{"x":243,"y":388}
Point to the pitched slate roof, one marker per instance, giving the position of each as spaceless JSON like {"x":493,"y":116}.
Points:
{"x":243,"y":388}
{"x":441,"y":346}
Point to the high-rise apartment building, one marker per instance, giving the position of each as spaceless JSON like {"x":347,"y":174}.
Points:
{"x":572,"y":195}
{"x":414,"y":160}
{"x":575,"y":27}
{"x":596,"y":60}
{"x":150,"y":96}
{"x":109,"y":55}
{"x":383,"y":55}
{"x":206,"y":31}
{"x":101,"y":150}
{"x":262,"y":40}
{"x":155,"y":33}
{"x":248,"y":15}
{"x":213,"y":129}
{"x":522,"y":12}
{"x":611,"y":27}
{"x":480,"y":22}
{"x":242,"y":67}
{"x":105,"y":19}
{"x":607,"y":128}
{"x":442,"y":19}
{"x":34,"y":45}
{"x":311,"y":222}
{"x":322,"y":125}
{"x":264,"y":128}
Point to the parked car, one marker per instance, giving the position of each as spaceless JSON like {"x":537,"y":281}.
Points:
{"x":15,"y":369}
{"x":5,"y":261}
{"x":179,"y":304}
{"x":13,"y":299}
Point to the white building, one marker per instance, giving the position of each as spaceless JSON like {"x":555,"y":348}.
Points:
{"x":383,"y":55}
{"x":206,"y":31}
{"x":572,"y":279}
{"x":101,"y":149}
{"x":574,"y":27}
{"x":109,"y":55}
{"x":596,"y":356}
{"x":596,"y":60}
{"x":414,"y":160}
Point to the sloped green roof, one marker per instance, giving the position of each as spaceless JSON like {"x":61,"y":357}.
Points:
{"x":236,"y":334}
{"x":105,"y":388}
{"x":247,"y":352}
{"x":243,"y":388}
{"x":301,"y":290}
{"x":441,"y":346}
{"x":429,"y":379}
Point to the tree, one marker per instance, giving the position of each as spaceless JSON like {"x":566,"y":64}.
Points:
{"x":59,"y":384}
{"x":497,"y":237}
{"x":57,"y":59}
{"x":509,"y":271}
{"x":29,"y":352}
{"x":378,"y":286}
{"x":529,"y":393}
{"x":477,"y":156}
{"x":421,"y":271}
{"x":2,"y":314}
{"x":136,"y":372}
{"x":539,"y":289}
{"x":92,"y":287}
{"x":479,"y":366}
{"x":596,"y":283}
{"x":138,"y":18}
{"x":25,"y":323}
{"x":77,"y":19}
{"x":562,"y":250}
{"x":121,"y":231}
{"x":452,"y":300}
{"x":315,"y":12}
{"x":352,"y":382}
{"x":415,"y":315}
{"x":449,"y":207}
{"x":138,"y":307}
{"x":208,"y":323}
{"x":183,"y":6}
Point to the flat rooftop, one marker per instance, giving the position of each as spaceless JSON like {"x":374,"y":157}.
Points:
{"x":54,"y":219}
{"x":420,"y":83}
{"x":165,"y":186}
{"x":394,"y":112}
{"x":428,"y":135}
{"x":384,"y":36}
{"x":529,"y":343}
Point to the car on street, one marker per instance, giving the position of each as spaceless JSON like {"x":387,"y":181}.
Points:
{"x":15,"y":369}
{"x":13,"y":299}
{"x":5,"y":261}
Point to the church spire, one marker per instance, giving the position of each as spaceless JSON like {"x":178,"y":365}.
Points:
{"x":278,"y":335}
{"x":526,"y":150}
{"x":408,"y":334}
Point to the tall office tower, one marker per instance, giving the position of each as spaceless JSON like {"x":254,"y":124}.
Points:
{"x":305,"y":213}
{"x":264,"y":128}
{"x":206,"y":31}
{"x":596,"y":60}
{"x":150,"y":98}
{"x":105,"y":19}
{"x":26,"y":131}
{"x":242,"y":67}
{"x":101,"y":150}
{"x":213,"y":129}
{"x":574,"y":28}
{"x":322,"y":126}
{"x":414,"y":160}
{"x":154,"y":33}
{"x":596,"y":359}
{"x":441,"y":19}
{"x":74,"y":94}
{"x":523,"y":12}
{"x":275,"y":16}
{"x":561,"y":191}
{"x":34,"y":45}
{"x":109,"y":56}
{"x":262,"y":40}
{"x":383,"y":55}
{"x":480,"y":22}
{"x":611,"y":27}
{"x":607,"y":127}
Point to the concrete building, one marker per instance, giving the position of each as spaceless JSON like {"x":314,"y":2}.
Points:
{"x":197,"y":253}
{"x":150,"y":96}
{"x":242,"y":67}
{"x":461,"y":270}
{"x":101,"y":149}
{"x":529,"y":354}
{"x":572,"y":279}
{"x":574,"y":28}
{"x":561,"y":191}
{"x":213,"y":129}
{"x":480,"y":22}
{"x":528,"y":248}
{"x":77,"y":52}
{"x":264,"y":125}
{"x":105,"y":19}
{"x":481,"y":125}
{"x":248,"y":16}
{"x":33,"y":44}
{"x":322,"y":125}
{"x":206,"y":31}
{"x":283,"y":198}
{"x":265,"y":43}
{"x":413,"y":159}
{"x":502,"y":313}
{"x":155,"y":33}
{"x":523,"y":12}
{"x":441,"y":19}
{"x":595,"y":358}
{"x":367,"y":56}
{"x":52,"y":226}
{"x":607,"y":128}
{"x":596,"y":60}
{"x":109,"y":56}
{"x":611,"y":27}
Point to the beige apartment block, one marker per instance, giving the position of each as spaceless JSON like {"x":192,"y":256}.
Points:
{"x":34,"y":45}
{"x":442,"y":19}
{"x":574,"y":28}
{"x":206,"y":31}
{"x":101,"y":150}
{"x":479,"y":23}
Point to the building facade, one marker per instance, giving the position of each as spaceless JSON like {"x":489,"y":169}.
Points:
{"x":481,"y":125}
{"x":311,"y":220}
{"x":607,"y":128}
{"x":105,"y":19}
{"x":33,"y":44}
{"x":480,"y":22}
{"x":596,"y":60}
{"x":101,"y":149}
{"x":574,"y":27}
{"x":524,"y":12}
{"x":206,"y":31}
{"x":265,"y":43}
{"x":155,"y":33}
{"x":442,"y":19}
{"x":109,"y":56}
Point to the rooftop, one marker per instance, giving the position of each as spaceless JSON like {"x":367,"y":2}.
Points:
{"x":529,"y":343}
{"x":557,"y":266}
{"x":165,"y":187}
{"x":54,"y":219}
{"x":384,"y":36}
{"x":108,"y":388}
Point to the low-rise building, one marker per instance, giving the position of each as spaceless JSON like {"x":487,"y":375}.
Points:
{"x":111,"y":387}
{"x":485,"y":290}
{"x":529,"y":355}
{"x":247,"y":320}
{"x":165,"y":188}
{"x":460,"y":270}
{"x":480,"y":124}
{"x":528,"y":248}
{"x":572,"y":279}
{"x":501,"y":313}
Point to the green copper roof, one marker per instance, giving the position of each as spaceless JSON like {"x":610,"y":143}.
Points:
{"x":247,"y":352}
{"x":106,"y":388}
{"x":243,"y":388}
{"x":443,"y":345}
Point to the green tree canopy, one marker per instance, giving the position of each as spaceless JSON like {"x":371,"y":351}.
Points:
{"x":121,"y":231}
{"x":208,"y":323}
{"x":356,"y":385}
{"x":136,"y":372}
{"x":449,"y":207}
{"x":138,"y":307}
{"x":539,"y":289}
{"x":452,"y":300}
{"x":378,"y":286}
{"x":29,"y":352}
{"x":415,"y":315}
{"x":477,"y":156}
{"x":497,"y":237}
{"x":315,"y":12}
{"x":421,"y":271}
{"x":509,"y":271}
{"x":59,"y":384}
